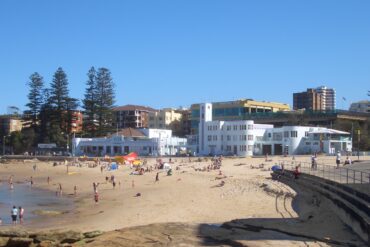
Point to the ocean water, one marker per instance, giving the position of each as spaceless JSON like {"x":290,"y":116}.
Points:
{"x":31,"y":199}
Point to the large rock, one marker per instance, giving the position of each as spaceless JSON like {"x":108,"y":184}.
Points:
{"x":59,"y":237}
{"x":4,"y":241}
{"x":92,"y":234}
{"x":19,"y":242}
{"x":13,"y":233}
{"x":47,"y":243}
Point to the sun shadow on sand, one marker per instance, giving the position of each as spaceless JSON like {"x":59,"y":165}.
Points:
{"x":316,"y":225}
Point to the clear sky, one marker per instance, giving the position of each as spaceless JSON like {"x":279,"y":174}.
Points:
{"x":174,"y":53}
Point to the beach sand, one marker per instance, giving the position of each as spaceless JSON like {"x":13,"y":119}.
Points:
{"x":187,"y":197}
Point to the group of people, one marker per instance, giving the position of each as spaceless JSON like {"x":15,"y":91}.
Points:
{"x":17,"y":213}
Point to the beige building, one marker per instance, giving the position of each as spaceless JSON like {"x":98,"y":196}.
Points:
{"x":166,"y":118}
{"x":9,"y":124}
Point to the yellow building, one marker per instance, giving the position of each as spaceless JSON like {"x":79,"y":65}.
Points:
{"x":166,"y":118}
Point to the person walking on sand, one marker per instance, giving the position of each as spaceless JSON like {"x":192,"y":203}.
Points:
{"x":75,"y":190}
{"x":21,"y":214}
{"x":96,"y":197}
{"x":31,"y":181}
{"x":60,"y":189}
{"x":95,"y":187}
{"x":14,"y":215}
{"x":338,"y":159}
{"x":157,"y":177}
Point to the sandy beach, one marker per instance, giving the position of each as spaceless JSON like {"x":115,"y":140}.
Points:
{"x":188,"y":196}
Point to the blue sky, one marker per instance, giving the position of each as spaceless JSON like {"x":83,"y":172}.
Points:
{"x":174,"y":53}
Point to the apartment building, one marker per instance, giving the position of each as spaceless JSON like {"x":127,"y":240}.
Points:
{"x":132,"y":116}
{"x":361,"y":106}
{"x":328,"y":97}
{"x":308,"y":100}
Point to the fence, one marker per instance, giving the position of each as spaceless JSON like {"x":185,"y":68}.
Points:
{"x":342,"y":174}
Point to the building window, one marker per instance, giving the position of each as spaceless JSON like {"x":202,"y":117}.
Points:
{"x":316,"y":143}
{"x":286,"y":134}
{"x":308,"y":143}
{"x":209,"y":138}
{"x":228,"y":128}
{"x":229,"y":138}
{"x":269,"y":135}
{"x":293,"y":134}
{"x":222,"y":137}
{"x":250,"y":126}
{"x":250,"y":137}
{"x":215,"y":138}
{"x":235,"y":127}
{"x":250,"y":147}
{"x":306,"y":133}
{"x":228,"y":148}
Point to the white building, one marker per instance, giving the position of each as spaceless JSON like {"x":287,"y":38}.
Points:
{"x":361,"y":106}
{"x":328,"y":97}
{"x":154,"y":142}
{"x":245,"y":138}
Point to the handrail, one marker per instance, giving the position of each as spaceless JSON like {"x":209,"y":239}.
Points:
{"x":341,"y":174}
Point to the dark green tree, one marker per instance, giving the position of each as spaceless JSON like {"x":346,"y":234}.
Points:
{"x":105,"y":99}
{"x":90,"y":103}
{"x":35,"y":97}
{"x":57,"y":110}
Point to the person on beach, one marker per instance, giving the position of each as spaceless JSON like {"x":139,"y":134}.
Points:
{"x":95,"y":186}
{"x":60,"y":189}
{"x":14,"y":215}
{"x":34,"y":167}
{"x":96,"y":197}
{"x":21,"y":214}
{"x":31,"y":181}
{"x":11,"y":186}
{"x":157,"y":177}
{"x":101,"y":169}
{"x":48,"y":180}
{"x":114,"y":184}
{"x":338,"y":159}
{"x":75,"y":190}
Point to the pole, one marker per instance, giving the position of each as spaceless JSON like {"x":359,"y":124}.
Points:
{"x":3,"y":145}
{"x":358,"y":144}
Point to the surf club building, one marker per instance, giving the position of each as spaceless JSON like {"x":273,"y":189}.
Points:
{"x":145,"y":142}
{"x":245,"y":138}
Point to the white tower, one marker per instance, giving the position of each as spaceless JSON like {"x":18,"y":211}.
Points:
{"x":205,"y":116}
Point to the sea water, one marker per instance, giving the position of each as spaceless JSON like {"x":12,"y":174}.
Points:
{"x":32,"y":200}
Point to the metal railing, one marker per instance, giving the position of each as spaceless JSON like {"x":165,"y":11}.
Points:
{"x":341,"y":174}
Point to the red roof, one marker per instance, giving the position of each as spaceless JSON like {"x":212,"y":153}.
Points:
{"x":130,"y":132}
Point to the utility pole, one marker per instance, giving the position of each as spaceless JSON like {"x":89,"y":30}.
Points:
{"x":358,"y":143}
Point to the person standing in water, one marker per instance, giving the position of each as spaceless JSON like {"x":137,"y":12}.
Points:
{"x":21,"y":214}
{"x":14,"y":214}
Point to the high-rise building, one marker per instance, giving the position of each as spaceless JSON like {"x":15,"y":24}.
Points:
{"x":328,"y":97}
{"x":309,"y":100}
{"x":132,"y":116}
